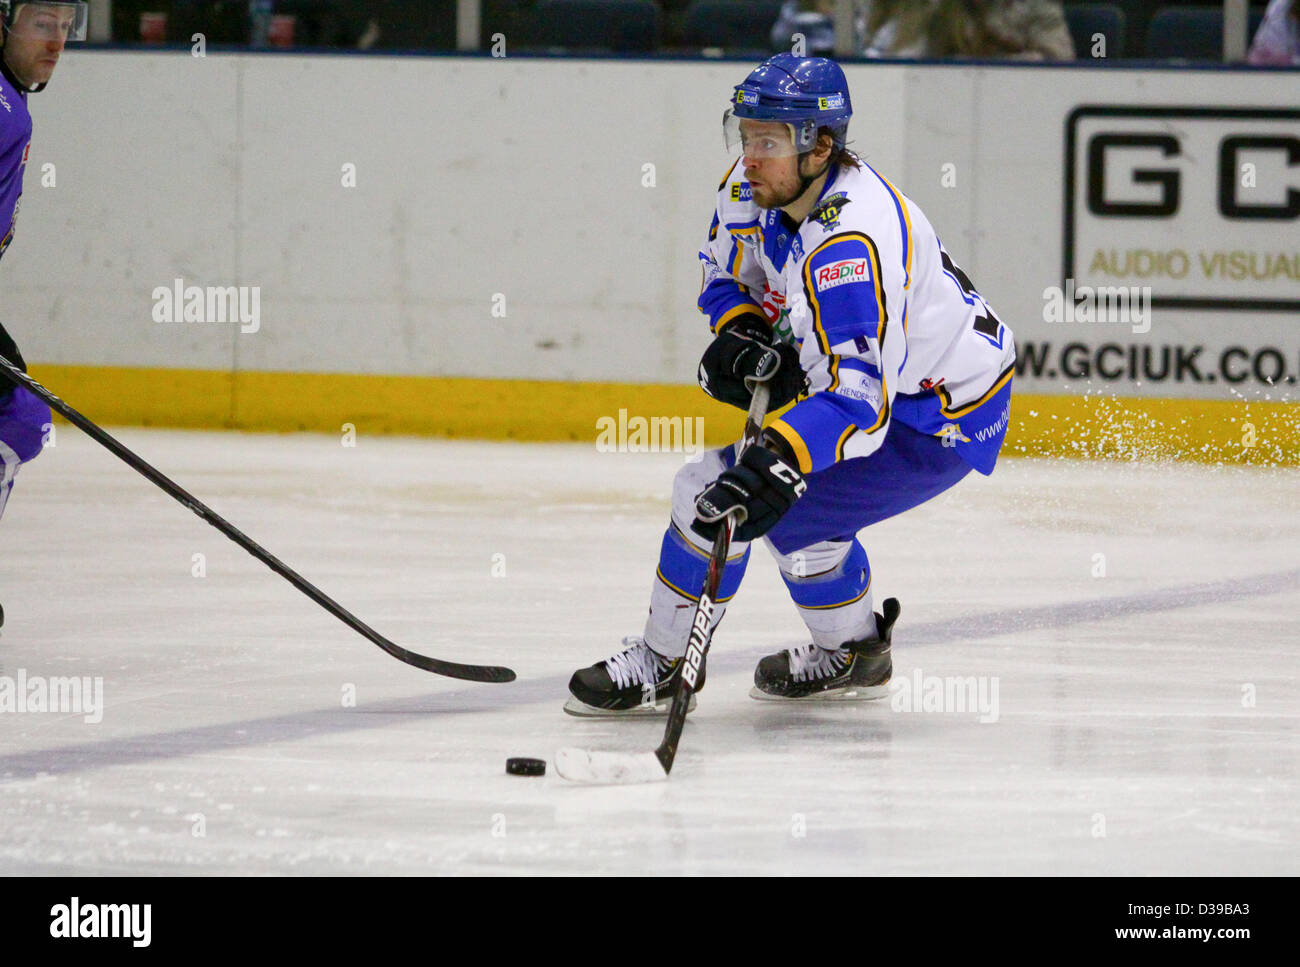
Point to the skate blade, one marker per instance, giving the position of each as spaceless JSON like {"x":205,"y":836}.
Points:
{"x":582,"y":710}
{"x":853,"y":693}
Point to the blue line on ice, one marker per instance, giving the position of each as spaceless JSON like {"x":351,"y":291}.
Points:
{"x":482,"y":699}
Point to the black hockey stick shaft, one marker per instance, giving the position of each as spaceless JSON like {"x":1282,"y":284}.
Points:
{"x":702,"y":624}
{"x":473,"y":673}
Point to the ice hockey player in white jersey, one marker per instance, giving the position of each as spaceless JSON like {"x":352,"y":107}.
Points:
{"x":899,"y":372}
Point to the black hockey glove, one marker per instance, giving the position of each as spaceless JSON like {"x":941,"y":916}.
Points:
{"x":762,"y":484}
{"x":742,"y":353}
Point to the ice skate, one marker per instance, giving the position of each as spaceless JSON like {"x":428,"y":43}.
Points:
{"x":856,"y":671}
{"x":636,"y":681}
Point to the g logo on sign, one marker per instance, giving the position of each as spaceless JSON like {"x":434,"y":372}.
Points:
{"x":1199,"y":204}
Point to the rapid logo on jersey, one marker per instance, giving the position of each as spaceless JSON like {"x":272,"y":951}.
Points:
{"x":740,"y":191}
{"x":842,"y":273}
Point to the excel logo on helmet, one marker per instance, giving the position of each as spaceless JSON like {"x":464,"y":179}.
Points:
{"x":806,"y":93}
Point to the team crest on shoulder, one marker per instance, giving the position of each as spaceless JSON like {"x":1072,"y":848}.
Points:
{"x":827,"y":212}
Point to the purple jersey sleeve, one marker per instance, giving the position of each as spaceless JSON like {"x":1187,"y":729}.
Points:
{"x":15,"y":137}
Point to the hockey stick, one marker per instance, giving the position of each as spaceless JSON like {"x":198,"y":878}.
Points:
{"x":623,"y":768}
{"x":473,"y":673}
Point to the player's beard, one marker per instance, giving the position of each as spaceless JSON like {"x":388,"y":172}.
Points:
{"x":791,"y":192}
{"x":775,"y":200}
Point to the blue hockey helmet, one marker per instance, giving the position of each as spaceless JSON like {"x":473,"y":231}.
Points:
{"x":806,"y":93}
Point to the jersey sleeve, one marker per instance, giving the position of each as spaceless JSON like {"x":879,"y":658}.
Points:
{"x":858,"y":323}
{"x":729,"y":274}
{"x":15,"y":136}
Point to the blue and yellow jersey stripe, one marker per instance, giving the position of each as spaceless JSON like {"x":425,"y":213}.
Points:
{"x":946,"y":407}
{"x":904,"y":224}
{"x":691,"y":595}
{"x":723,"y":183}
{"x":796,"y":443}
{"x":702,"y":555}
{"x":744,"y":309}
{"x":838,"y":604}
{"x":818,"y":429}
{"x":733,"y":260}
{"x":844,"y":438}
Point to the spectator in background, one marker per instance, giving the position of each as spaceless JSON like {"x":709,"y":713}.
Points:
{"x":1277,"y":42}
{"x":882,"y":28}
{"x":1018,"y":29}
{"x":898,"y":28}
{"x":809,"y":18}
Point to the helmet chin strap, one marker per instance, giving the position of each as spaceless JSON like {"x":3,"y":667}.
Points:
{"x":809,"y":133}
{"x":805,"y":181}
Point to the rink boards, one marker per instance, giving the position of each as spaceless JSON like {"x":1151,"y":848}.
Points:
{"x":630,"y":418}
{"x":505,"y":247}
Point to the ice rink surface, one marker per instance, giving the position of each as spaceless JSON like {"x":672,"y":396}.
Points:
{"x":1139,"y":623}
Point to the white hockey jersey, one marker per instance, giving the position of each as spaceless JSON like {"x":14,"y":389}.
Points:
{"x":889,"y":328}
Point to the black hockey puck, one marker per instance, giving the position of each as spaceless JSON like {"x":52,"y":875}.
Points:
{"x":521,"y":766}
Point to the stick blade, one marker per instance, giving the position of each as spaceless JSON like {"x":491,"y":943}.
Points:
{"x":608,"y":768}
{"x":469,"y":673}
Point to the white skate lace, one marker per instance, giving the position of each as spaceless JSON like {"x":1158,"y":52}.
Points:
{"x":810,"y":661}
{"x":635,"y":665}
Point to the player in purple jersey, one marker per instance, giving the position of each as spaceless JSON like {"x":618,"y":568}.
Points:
{"x":33,"y":36}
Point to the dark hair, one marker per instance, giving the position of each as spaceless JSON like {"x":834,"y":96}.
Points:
{"x":839,"y":156}
{"x":843,"y":156}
